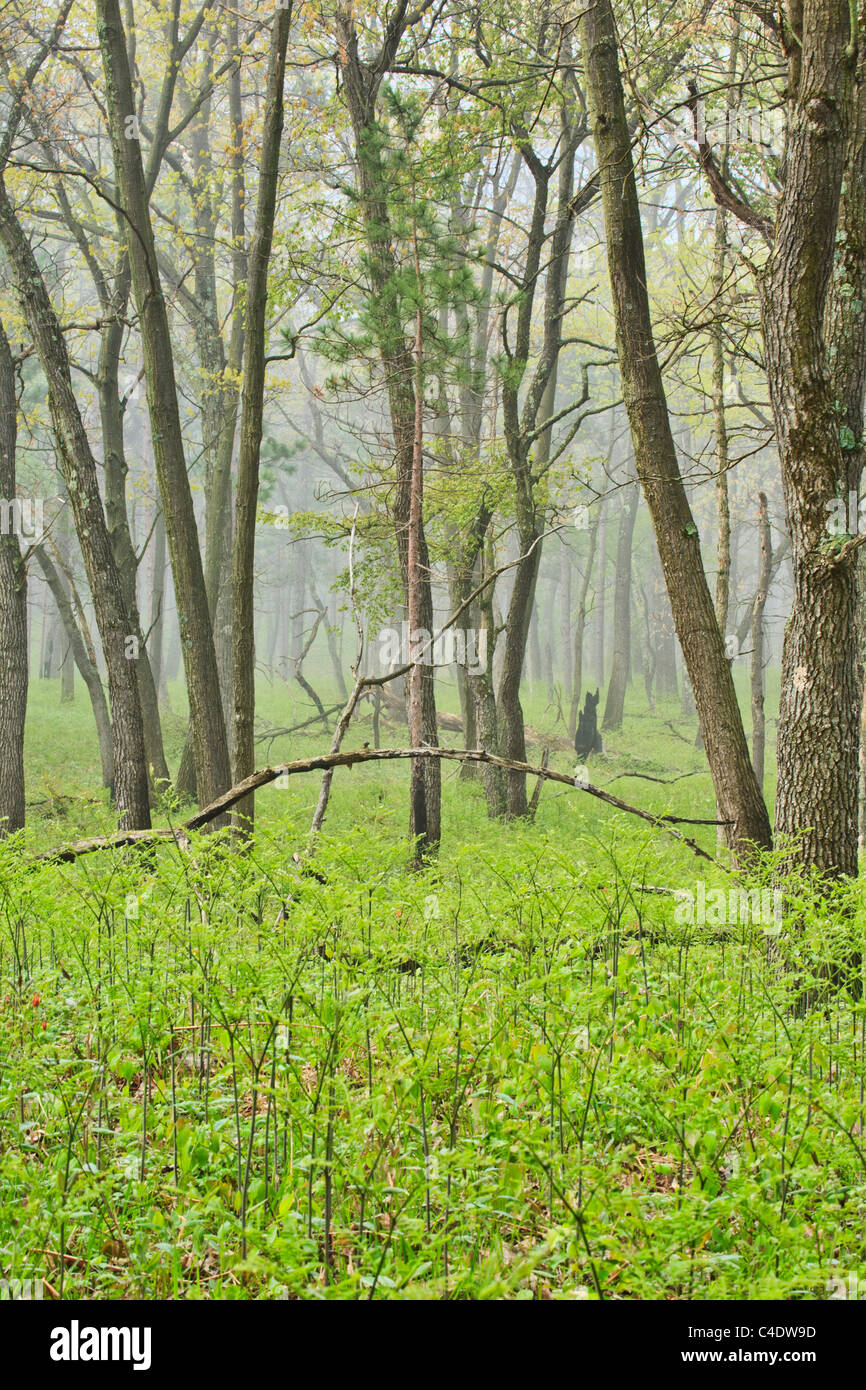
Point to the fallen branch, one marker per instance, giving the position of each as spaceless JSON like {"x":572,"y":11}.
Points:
{"x":326,"y":762}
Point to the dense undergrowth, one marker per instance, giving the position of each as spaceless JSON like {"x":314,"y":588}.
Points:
{"x":515,"y":1074}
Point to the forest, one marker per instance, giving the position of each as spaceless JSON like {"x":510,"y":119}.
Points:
{"x":432,"y":633}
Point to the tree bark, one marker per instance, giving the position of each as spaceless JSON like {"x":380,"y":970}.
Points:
{"x":157,"y":608}
{"x":13,"y":615}
{"x":723,"y":507}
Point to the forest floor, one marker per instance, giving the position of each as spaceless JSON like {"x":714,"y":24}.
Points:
{"x":518,"y":1073}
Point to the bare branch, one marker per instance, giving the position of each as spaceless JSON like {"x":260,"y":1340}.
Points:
{"x":327,"y":762}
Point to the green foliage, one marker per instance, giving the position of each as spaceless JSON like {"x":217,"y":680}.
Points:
{"x":514,"y":1075}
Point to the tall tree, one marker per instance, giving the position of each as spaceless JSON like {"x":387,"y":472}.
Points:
{"x":814,"y":331}
{"x":79,"y":470}
{"x":362,"y":83}
{"x":131,"y":783}
{"x":528,"y":420}
{"x":738,"y":795}
{"x":815,"y":343}
{"x":13,"y":612}
{"x":252,"y":407}
{"x":199,"y":655}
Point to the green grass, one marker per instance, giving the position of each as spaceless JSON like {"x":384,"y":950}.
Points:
{"x":511,"y":1075}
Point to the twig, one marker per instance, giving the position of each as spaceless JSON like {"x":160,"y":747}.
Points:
{"x":663,"y":781}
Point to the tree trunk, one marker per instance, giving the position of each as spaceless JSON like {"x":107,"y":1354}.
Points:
{"x":131,"y":783}
{"x":252,"y":409}
{"x":757,"y":661}
{"x":535,"y":673}
{"x":720,"y":423}
{"x":649,"y":659}
{"x":601,"y":594}
{"x":621,"y":660}
{"x":723,"y":508}
{"x":206,"y":717}
{"x":580,"y":628}
{"x":13,"y":615}
{"x":330,"y":634}
{"x":157,"y":608}
{"x":528,"y":458}
{"x":361,"y":85}
{"x":744,"y":627}
{"x":185,"y":783}
{"x":663,"y":639}
{"x":482,"y":689}
{"x":550,"y":643}
{"x":416,"y":712}
{"x":463,"y":580}
{"x":67,"y":677}
{"x":220,"y":370}
{"x":816,"y":798}
{"x":737,"y":793}
{"x":114,"y":465}
{"x":566,"y":629}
